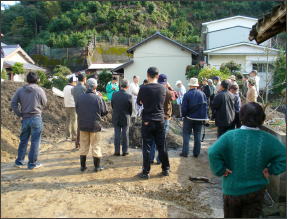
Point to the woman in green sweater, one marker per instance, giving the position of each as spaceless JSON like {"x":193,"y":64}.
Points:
{"x":245,"y":158}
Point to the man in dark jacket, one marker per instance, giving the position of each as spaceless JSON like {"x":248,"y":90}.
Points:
{"x":152,"y":96}
{"x":122,"y":110}
{"x":31,"y":99}
{"x":90,"y":108}
{"x":77,"y":91}
{"x":224,"y":108}
{"x":195,"y":112}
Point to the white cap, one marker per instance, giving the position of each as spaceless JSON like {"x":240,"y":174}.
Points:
{"x":178,"y":82}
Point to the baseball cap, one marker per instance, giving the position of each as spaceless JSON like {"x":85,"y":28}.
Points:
{"x":162,"y":79}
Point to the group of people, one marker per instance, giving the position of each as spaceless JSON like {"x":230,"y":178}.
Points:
{"x":244,"y":157}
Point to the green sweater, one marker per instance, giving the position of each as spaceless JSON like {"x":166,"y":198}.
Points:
{"x":246,"y":153}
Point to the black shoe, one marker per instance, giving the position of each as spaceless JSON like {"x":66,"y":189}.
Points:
{"x":143,"y":176}
{"x":125,"y":154}
{"x":152,"y":162}
{"x":83,"y":163}
{"x":195,"y":156}
{"x":116,"y":154}
{"x":97,"y":166}
{"x":165,"y":172}
{"x":183,"y":155}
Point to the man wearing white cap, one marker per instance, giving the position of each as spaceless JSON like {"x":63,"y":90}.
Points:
{"x":90,"y":107}
{"x":69,"y":104}
{"x":195,"y":112}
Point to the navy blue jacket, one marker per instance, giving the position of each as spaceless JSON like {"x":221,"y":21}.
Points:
{"x":90,"y":108}
{"x":194,"y":105}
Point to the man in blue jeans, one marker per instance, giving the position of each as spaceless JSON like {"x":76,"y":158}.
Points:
{"x":195,"y":112}
{"x":31,"y":99}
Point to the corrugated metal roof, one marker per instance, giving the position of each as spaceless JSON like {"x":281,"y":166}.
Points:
{"x":103,"y":66}
{"x":8,"y":49}
{"x":156,"y":35}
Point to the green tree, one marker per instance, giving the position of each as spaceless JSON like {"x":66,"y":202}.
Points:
{"x":192,"y":71}
{"x":4,"y":74}
{"x":61,"y":70}
{"x":43,"y":80}
{"x":103,"y":78}
{"x":18,"y":68}
{"x":280,"y":71}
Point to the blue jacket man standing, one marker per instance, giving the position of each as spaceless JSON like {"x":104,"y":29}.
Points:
{"x":195,"y":111}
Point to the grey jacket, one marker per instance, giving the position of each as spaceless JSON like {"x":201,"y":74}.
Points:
{"x":90,"y":108}
{"x":77,"y":91}
{"x":31,"y":98}
{"x":122,"y":108}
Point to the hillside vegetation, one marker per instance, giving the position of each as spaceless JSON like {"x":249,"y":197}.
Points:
{"x":72,"y":24}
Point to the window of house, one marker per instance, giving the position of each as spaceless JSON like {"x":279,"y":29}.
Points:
{"x":261,"y":67}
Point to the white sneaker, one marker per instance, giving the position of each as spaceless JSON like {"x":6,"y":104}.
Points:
{"x":38,"y":165}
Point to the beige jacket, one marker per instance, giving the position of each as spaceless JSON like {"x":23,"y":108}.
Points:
{"x":251,"y":95}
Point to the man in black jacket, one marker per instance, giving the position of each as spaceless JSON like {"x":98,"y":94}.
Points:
{"x":152,"y":97}
{"x":122,"y":110}
{"x":223,"y":106}
{"x":90,"y":108}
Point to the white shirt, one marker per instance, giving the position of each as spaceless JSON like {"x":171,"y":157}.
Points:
{"x":134,"y":89}
{"x":68,"y":97}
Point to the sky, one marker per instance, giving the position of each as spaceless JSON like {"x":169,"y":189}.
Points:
{"x":7,"y":3}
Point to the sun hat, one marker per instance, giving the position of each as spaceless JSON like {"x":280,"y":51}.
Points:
{"x":193,"y":82}
{"x":232,"y":77}
{"x":92,"y":82}
{"x":178,"y":82}
{"x":162,"y":79}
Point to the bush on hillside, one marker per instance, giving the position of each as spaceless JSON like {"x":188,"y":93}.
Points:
{"x":61,"y":70}
{"x":4,"y":74}
{"x":43,"y":80}
{"x":18,"y":68}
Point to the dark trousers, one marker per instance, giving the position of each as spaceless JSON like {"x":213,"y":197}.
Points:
{"x":154,"y":132}
{"x":237,"y":123}
{"x":121,"y":133}
{"x":188,"y":126}
{"x":244,"y":206}
{"x":221,"y":130}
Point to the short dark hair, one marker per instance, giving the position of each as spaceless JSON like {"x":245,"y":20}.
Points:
{"x":225,"y":84}
{"x":234,"y":87}
{"x":252,"y":115}
{"x":114,"y":79}
{"x":124,"y":83}
{"x":135,"y":76}
{"x":32,"y":78}
{"x":70,"y":80}
{"x":81,"y":77}
{"x":152,"y":72}
{"x":145,"y":81}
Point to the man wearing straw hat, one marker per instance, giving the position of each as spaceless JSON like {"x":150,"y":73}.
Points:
{"x":195,"y":112}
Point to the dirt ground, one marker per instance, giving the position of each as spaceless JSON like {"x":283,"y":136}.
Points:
{"x":59,"y":189}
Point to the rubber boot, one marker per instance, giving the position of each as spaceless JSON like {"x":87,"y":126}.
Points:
{"x":83,"y":163}
{"x":97,"y":164}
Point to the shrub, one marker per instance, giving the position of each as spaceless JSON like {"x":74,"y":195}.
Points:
{"x":61,"y":70}
{"x":192,"y":71}
{"x":60,"y":82}
{"x":208,"y":72}
{"x":18,"y":68}
{"x":4,"y":74}
{"x":279,"y":77}
{"x":43,"y":80}
{"x":103,"y":78}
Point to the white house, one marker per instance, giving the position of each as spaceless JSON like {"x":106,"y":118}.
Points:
{"x":14,"y":53}
{"x":169,"y":56}
{"x":227,"y":40}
